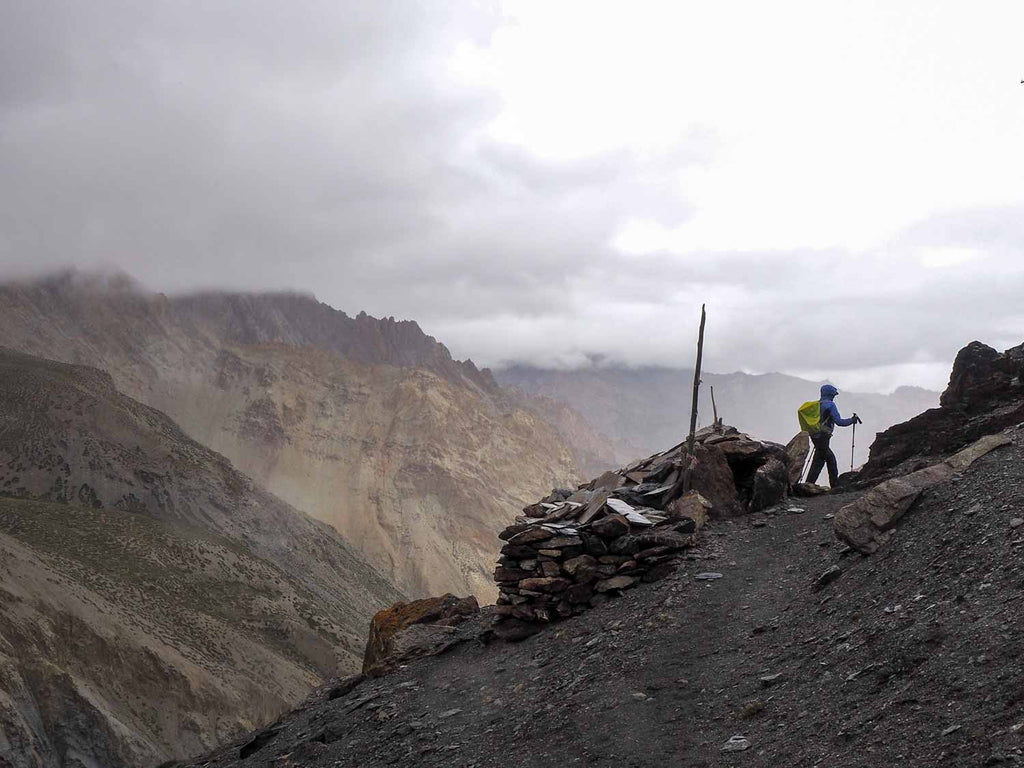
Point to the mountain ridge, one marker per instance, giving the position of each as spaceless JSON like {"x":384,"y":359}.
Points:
{"x":368,"y":425}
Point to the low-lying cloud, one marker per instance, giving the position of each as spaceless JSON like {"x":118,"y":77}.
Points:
{"x":329,"y":147}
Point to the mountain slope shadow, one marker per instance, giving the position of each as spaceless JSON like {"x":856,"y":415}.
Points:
{"x":153,"y":600}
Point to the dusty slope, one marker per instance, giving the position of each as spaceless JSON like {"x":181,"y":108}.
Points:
{"x":153,"y":599}
{"x":909,"y":658}
{"x":366,"y":424}
{"x":126,"y":641}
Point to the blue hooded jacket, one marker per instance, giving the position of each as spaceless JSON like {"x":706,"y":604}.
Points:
{"x":829,"y":412}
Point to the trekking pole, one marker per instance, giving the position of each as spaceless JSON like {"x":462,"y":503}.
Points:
{"x":807,"y":461}
{"x":853,"y":445}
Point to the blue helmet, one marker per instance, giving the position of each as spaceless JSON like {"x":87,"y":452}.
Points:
{"x":828,"y":391}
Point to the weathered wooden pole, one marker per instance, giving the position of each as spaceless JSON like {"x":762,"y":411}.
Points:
{"x":693,"y":407}
{"x":714,"y":408}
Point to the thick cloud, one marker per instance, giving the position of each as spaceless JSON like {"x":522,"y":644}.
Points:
{"x":338,"y":148}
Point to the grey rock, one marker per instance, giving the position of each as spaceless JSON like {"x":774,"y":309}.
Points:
{"x":708,"y":576}
{"x":826,"y":578}
{"x":616,"y":582}
{"x":737,"y":743}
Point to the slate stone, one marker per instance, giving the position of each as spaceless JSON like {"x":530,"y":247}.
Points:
{"x":635,"y":542}
{"x":558,"y":542}
{"x":609,"y":481}
{"x":691,"y":506}
{"x":610,"y":527}
{"x":550,"y":569}
{"x":533,"y":535}
{"x":545,"y":584}
{"x":593,"y":508}
{"x":615,"y":583}
{"x":653,"y":552}
{"x":594,"y":545}
{"x":511,"y":575}
{"x":575,"y":565}
{"x":770,"y":484}
{"x":517,"y":551}
{"x":512,"y":530}
{"x":736,"y":744}
{"x":579,"y":593}
{"x":865,"y":523}
{"x":826,"y":578}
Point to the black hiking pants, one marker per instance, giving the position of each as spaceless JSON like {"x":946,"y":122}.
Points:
{"x":823,"y":456}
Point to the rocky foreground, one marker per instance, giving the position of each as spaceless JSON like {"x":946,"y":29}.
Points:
{"x":857,"y":629}
{"x":745,"y":656}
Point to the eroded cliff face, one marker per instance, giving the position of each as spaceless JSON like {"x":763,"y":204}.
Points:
{"x":368,"y":425}
{"x":153,"y":600}
{"x":416,"y":471}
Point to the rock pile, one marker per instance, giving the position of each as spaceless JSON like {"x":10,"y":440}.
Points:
{"x":574,"y":549}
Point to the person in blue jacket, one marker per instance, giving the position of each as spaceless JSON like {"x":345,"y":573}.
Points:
{"x":830,"y":419}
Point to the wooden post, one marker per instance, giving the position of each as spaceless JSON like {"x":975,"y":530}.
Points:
{"x":714,"y":408}
{"x":693,"y":407}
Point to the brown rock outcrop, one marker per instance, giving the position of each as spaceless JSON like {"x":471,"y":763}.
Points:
{"x":410,"y":630}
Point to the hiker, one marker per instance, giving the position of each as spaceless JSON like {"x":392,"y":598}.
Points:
{"x":830,"y":418}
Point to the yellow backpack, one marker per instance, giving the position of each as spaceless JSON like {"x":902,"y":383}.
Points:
{"x":809,"y":415}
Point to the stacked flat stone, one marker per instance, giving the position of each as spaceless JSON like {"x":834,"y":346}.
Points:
{"x":574,"y":549}
{"x":554,"y":569}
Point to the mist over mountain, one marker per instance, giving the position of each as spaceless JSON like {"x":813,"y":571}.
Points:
{"x":643,"y":410}
{"x":366,"y":424}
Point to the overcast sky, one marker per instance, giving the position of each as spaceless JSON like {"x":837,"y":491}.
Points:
{"x":551,"y":182}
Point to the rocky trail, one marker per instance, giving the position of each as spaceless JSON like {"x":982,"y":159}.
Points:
{"x":773,"y":645}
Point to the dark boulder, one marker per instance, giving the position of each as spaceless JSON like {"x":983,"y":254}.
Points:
{"x":982,"y":376}
{"x":769,"y":485}
{"x":985,"y":396}
{"x":713,"y":477}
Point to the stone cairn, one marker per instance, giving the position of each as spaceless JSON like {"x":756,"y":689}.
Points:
{"x":575,"y":549}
